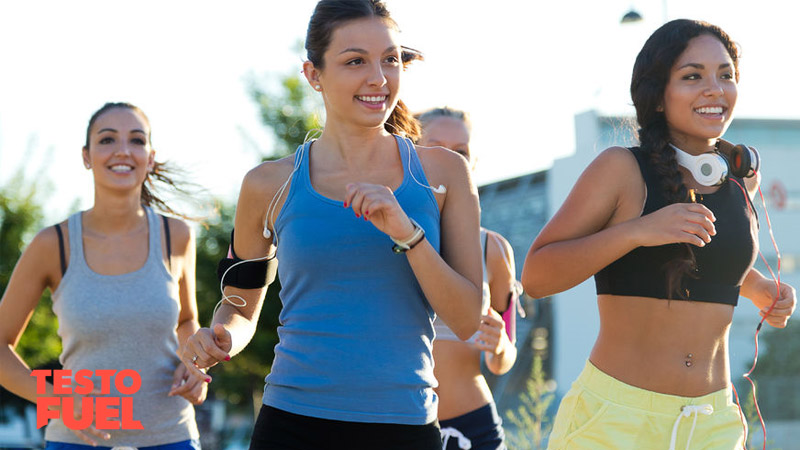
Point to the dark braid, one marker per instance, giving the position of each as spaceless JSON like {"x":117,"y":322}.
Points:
{"x":655,"y":141}
{"x":651,"y":73}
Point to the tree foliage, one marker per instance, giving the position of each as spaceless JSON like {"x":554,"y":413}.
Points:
{"x":531,"y":418}
{"x":288,"y":114}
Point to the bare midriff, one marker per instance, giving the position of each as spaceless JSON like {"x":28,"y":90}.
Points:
{"x":672,"y":347}
{"x":462,"y":388}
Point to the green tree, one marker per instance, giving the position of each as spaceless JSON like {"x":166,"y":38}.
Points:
{"x":287,"y":115}
{"x":530,"y":418}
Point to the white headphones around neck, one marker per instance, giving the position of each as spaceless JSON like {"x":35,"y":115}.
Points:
{"x":712,"y":168}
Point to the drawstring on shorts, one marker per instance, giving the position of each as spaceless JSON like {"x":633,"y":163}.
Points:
{"x":463,"y":442}
{"x":687,"y":411}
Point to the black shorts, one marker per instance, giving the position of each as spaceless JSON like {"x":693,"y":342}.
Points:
{"x":482,"y":427}
{"x":276,"y":429}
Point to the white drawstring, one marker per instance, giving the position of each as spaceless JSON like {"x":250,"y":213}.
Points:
{"x":687,"y":411}
{"x":463,"y":442}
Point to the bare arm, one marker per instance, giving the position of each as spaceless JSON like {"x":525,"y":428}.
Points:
{"x":452,"y":281}
{"x":234,"y":322}
{"x":192,"y":388}
{"x":30,"y":278}
{"x":764,"y":292}
{"x":500,"y":351}
{"x":184,"y":248}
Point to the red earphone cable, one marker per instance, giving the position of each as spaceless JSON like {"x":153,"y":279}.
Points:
{"x":777,"y":280}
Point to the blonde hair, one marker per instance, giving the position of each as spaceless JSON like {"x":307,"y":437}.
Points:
{"x":428,"y":116}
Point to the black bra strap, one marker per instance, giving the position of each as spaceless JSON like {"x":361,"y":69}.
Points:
{"x":166,"y":237}
{"x":61,"y":249}
{"x":486,"y":248}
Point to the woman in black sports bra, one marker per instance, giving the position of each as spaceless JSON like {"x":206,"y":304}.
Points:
{"x":669,"y":265}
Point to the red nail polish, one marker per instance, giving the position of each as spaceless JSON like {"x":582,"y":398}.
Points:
{"x":208,"y":380}
{"x":345,"y":204}
{"x":227,"y":357}
{"x":366,"y":213}
{"x":358,"y":216}
{"x":365,"y":217}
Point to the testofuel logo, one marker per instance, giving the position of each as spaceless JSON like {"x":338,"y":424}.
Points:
{"x":102,"y":410}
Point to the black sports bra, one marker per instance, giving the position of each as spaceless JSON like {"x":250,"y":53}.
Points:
{"x":721,"y":265}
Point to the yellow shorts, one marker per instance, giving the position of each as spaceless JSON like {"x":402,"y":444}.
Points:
{"x":601,"y":412}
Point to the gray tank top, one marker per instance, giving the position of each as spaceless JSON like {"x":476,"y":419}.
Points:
{"x":443,"y":332}
{"x":120,"y":322}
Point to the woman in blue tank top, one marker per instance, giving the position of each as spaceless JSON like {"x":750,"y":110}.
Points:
{"x":124,"y":297}
{"x":670,"y":253}
{"x":354,"y":368}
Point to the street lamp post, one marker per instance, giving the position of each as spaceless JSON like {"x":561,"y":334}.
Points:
{"x":633,"y":16}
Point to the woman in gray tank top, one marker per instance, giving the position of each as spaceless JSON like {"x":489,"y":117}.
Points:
{"x":124,"y":298}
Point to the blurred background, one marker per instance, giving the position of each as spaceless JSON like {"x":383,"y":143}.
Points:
{"x":546,"y":84}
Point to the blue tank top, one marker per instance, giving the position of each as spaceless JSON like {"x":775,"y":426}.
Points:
{"x":356,"y":329}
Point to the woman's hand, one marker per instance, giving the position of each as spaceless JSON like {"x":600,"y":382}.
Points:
{"x":205,"y":349}
{"x":493,"y":339}
{"x":784,"y":306}
{"x":90,"y":433}
{"x":188,"y":385}
{"x":492,"y":336}
{"x":378,"y":204}
{"x":690,"y":223}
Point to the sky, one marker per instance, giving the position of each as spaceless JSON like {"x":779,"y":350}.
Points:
{"x":522,"y":68}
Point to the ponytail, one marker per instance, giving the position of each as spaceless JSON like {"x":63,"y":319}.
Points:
{"x":403,"y":123}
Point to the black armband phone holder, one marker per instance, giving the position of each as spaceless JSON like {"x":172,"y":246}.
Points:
{"x":246,"y":273}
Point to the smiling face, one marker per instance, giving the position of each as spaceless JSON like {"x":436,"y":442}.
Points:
{"x":360,"y":77}
{"x":701,"y":94}
{"x":119,"y":151}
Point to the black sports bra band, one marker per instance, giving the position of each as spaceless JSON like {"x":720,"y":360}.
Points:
{"x":166,"y":237}
{"x":61,"y":249}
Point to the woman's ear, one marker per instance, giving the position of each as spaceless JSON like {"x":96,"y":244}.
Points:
{"x":312,"y":75}
{"x":85,"y":154}
{"x":151,"y":161}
